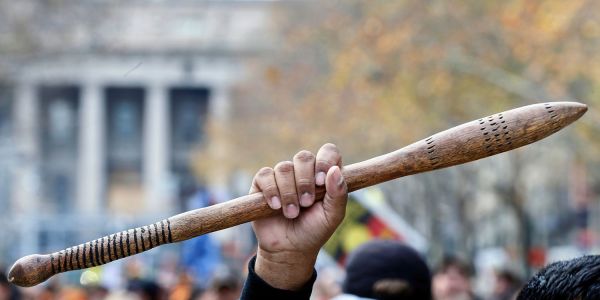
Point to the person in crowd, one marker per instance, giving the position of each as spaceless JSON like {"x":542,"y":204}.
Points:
{"x":184,"y":288}
{"x":50,"y":291}
{"x":7,"y":290}
{"x":328,"y":283}
{"x":576,"y":279}
{"x":288,"y":243}
{"x":506,"y":286}
{"x":382,"y":269}
{"x":96,"y":292}
{"x":225,"y":285}
{"x":452,"y":280}
{"x":145,"y":289}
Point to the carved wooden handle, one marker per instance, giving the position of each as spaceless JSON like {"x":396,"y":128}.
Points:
{"x":470,"y":141}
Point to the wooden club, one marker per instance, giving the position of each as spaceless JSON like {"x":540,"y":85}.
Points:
{"x":467,"y":142}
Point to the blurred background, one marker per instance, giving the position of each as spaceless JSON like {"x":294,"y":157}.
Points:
{"x":118,"y":114}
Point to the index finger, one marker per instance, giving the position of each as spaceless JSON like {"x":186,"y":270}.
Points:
{"x":327,"y":157}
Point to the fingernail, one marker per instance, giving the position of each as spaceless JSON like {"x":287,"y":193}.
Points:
{"x":275,"y":203}
{"x":320,"y":178}
{"x":340,"y":179}
{"x":291,"y":211}
{"x":306,"y":199}
{"x":337,"y":176}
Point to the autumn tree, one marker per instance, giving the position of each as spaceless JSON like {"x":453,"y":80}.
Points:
{"x":372,"y":76}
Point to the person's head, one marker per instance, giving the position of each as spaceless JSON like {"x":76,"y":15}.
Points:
{"x":452,"y":279}
{"x":4,"y":286}
{"x":507,"y":282}
{"x":7,"y":290}
{"x":145,"y":290}
{"x":576,"y":279}
{"x":387,"y":270}
{"x":226,"y":284}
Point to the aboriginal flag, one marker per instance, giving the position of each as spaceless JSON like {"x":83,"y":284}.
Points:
{"x":363,"y":223}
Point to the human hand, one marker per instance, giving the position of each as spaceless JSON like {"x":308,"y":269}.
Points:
{"x":288,"y":244}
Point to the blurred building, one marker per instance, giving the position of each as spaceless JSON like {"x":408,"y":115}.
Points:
{"x":100,"y":116}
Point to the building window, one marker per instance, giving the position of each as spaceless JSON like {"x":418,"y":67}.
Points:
{"x":124,"y":146}
{"x":6,"y":146}
{"x":6,"y":105}
{"x":188,"y":112}
{"x":59,"y":119}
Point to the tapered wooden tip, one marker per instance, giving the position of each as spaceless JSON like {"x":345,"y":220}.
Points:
{"x":550,"y":117}
{"x":581,"y":108}
{"x":30,"y":270}
{"x":572,"y":110}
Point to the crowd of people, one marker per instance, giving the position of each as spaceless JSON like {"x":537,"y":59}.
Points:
{"x":288,"y":245}
{"x":221,"y":287}
{"x":450,"y":280}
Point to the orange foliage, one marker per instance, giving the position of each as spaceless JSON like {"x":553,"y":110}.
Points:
{"x":373,"y":76}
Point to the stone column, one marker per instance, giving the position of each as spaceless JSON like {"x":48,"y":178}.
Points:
{"x":219,"y":110}
{"x":91,"y":175}
{"x":156,"y":150}
{"x":27,"y":182}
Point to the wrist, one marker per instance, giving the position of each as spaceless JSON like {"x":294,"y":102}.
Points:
{"x":287,"y":270}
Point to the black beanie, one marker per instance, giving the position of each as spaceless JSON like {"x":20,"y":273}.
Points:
{"x":391,"y":260}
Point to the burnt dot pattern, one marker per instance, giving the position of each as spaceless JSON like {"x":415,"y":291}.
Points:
{"x":554,"y":125}
{"x":496,"y":133}
{"x":434,"y":159}
{"x":112,"y":247}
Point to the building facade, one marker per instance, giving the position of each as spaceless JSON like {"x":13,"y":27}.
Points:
{"x":97,"y":134}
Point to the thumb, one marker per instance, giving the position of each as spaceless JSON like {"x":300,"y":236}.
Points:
{"x":334,"y":203}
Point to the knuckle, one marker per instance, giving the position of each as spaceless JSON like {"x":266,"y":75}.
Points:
{"x":304,"y":156}
{"x":264,"y":172}
{"x":289,"y":196}
{"x":324,"y":163}
{"x":304,"y":183}
{"x":270,"y":189}
{"x":284,"y":167}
